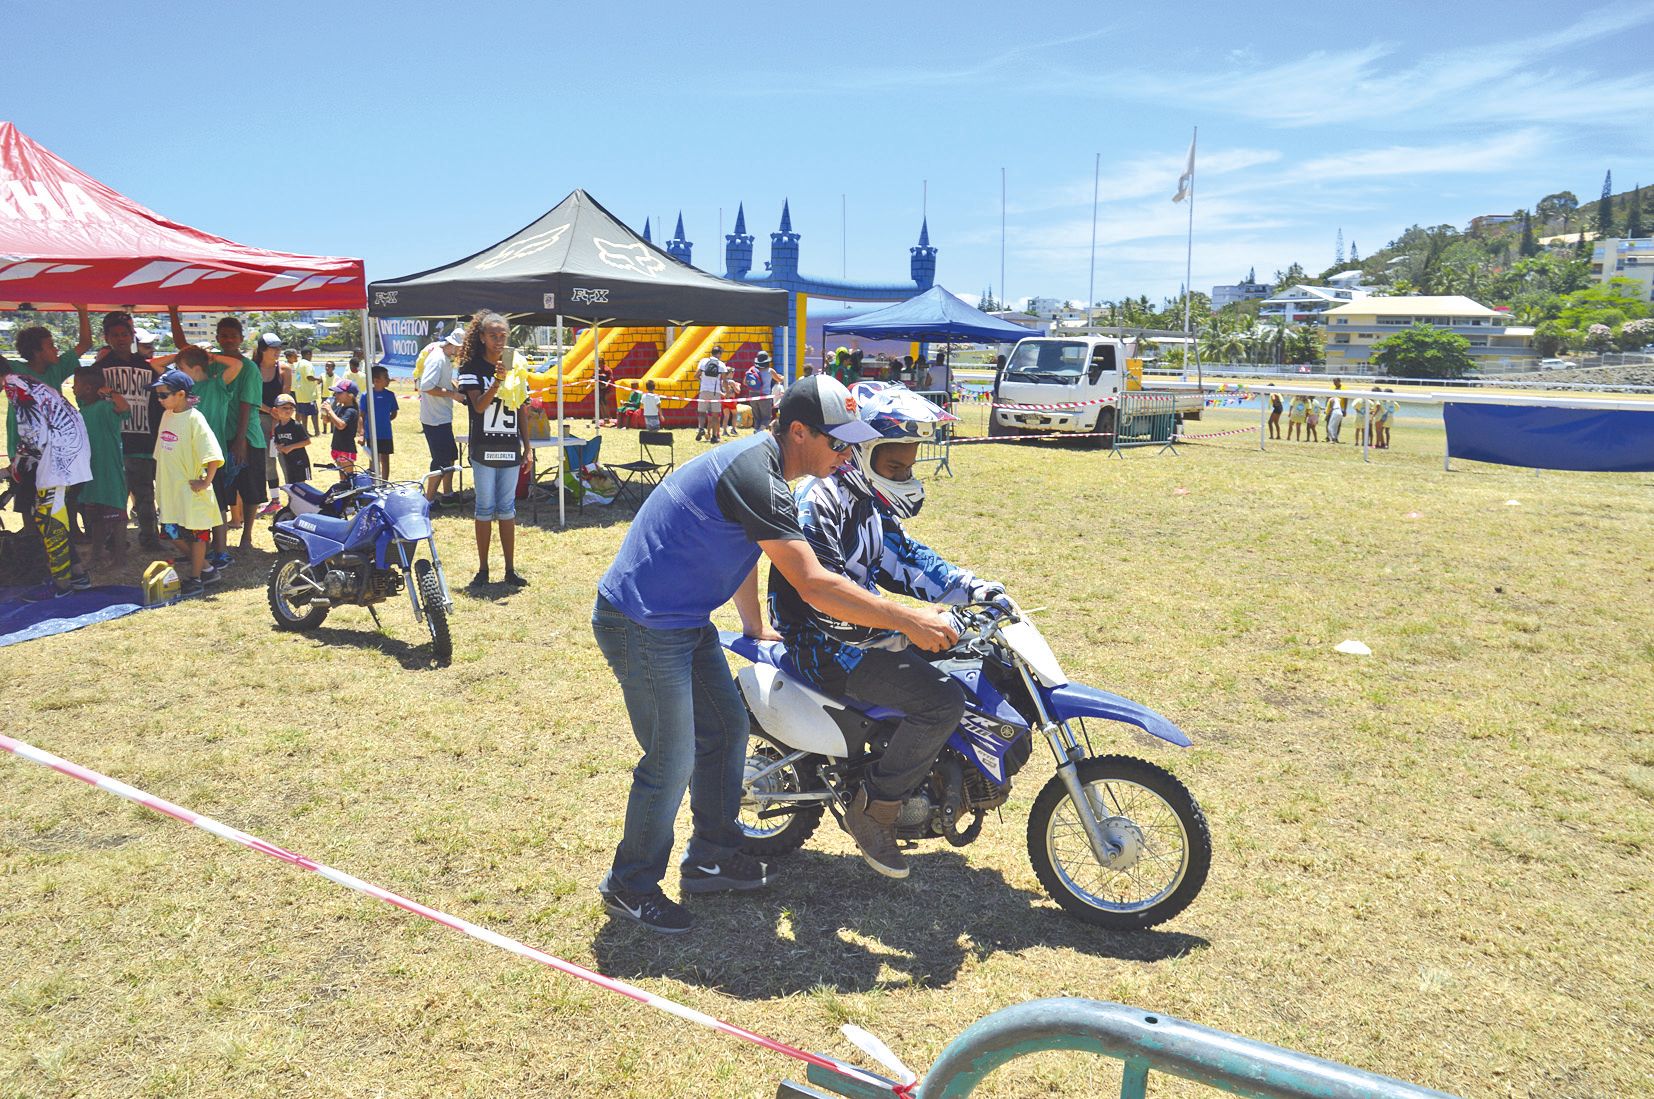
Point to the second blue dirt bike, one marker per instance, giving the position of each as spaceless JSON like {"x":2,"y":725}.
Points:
{"x":363,"y":558}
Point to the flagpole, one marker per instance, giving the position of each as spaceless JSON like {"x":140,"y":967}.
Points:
{"x":1190,"y":343}
{"x":1002,"y":299}
{"x":1091,"y":286}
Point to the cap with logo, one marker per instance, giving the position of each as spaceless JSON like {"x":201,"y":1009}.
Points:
{"x":285,"y":398}
{"x":173,"y":381}
{"x":270,"y":339}
{"x":823,"y":403}
{"x":762,"y":358}
{"x":455,"y":338}
{"x":344,"y":385}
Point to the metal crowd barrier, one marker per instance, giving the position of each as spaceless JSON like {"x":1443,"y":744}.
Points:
{"x":938,"y":449}
{"x":1142,"y":1041}
{"x":1145,"y":419}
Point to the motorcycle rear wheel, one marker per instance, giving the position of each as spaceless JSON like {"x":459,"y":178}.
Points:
{"x":775,"y":835}
{"x":1166,"y":846}
{"x":282,"y":516}
{"x":283,"y":585}
{"x":436,"y":611}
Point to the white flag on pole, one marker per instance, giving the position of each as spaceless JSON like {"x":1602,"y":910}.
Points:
{"x":1188,"y":176}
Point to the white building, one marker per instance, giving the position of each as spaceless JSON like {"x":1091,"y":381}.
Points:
{"x":1304,"y":304}
{"x":1354,"y":328}
{"x":1247,"y":289}
{"x":1622,"y":258}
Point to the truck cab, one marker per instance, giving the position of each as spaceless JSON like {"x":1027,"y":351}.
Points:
{"x":1084,"y":376}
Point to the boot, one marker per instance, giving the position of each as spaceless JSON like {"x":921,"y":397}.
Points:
{"x":872,"y":824}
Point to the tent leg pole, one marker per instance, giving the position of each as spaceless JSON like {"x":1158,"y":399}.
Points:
{"x":562,"y":452}
{"x":372,"y":413}
{"x":597,"y":384}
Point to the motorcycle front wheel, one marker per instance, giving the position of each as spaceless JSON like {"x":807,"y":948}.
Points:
{"x":797,"y":821}
{"x":1164,"y":847}
{"x":436,"y":610}
{"x":289,"y":594}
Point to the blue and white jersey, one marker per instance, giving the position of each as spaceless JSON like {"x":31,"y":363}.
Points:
{"x":855,"y":536}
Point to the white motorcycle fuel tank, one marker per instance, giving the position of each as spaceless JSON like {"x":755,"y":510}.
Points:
{"x":791,"y":712}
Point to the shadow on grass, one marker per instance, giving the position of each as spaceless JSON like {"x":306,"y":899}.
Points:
{"x":413,"y":657}
{"x":830,"y":922}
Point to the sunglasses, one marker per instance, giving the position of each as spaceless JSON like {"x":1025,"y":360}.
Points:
{"x":839,"y":446}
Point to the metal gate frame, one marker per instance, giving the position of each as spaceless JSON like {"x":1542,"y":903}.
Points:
{"x":1142,"y":1041}
{"x":1145,"y":419}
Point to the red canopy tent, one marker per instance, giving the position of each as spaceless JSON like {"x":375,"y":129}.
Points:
{"x":65,"y":238}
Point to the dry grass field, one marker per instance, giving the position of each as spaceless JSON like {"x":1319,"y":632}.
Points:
{"x":1436,"y":862}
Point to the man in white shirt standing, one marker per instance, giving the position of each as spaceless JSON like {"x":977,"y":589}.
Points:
{"x":709,"y":403}
{"x":435,"y":380}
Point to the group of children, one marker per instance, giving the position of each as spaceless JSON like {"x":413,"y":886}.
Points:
{"x":1304,"y":414}
{"x":76,"y":455}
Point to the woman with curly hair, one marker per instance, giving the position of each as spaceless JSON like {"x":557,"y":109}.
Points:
{"x":498,"y":440}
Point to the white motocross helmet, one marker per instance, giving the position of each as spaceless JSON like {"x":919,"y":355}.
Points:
{"x":899,"y":415}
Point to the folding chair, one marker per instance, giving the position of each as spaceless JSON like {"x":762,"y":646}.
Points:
{"x":645,"y":473}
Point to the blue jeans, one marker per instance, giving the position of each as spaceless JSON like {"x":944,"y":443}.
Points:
{"x":496,"y":491}
{"x":688,"y":717}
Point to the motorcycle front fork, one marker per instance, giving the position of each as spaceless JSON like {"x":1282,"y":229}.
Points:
{"x":413,"y":586}
{"x":1069,"y":753}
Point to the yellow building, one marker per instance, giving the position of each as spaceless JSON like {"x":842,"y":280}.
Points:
{"x":1352,"y":330}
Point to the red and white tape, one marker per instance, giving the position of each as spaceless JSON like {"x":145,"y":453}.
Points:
{"x":1221,"y":434}
{"x":493,"y":938}
{"x":1054,"y":407}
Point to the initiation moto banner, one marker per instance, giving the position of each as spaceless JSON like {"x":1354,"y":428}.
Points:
{"x":1582,"y":439}
{"x":402,"y":338}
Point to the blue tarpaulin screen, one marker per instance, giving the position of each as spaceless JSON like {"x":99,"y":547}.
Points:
{"x":1551,"y":438}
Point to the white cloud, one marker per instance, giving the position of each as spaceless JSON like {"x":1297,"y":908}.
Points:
{"x":1478,"y":82}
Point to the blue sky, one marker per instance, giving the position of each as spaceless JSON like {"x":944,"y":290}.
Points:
{"x":411,"y":133}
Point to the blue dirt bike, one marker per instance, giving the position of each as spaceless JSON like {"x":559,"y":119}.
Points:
{"x":325,"y":561}
{"x":1117,"y":841}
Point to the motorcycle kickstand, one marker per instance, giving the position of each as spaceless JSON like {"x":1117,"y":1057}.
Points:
{"x":378,"y":625}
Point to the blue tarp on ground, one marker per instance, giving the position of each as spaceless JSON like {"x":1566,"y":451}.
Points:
{"x":935,"y":316}
{"x":20,"y":621}
{"x":1551,"y":438}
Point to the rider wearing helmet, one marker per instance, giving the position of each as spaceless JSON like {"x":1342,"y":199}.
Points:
{"x":852,"y":520}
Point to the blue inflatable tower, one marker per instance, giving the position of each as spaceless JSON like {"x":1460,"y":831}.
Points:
{"x":677,"y":247}
{"x":781,"y":272}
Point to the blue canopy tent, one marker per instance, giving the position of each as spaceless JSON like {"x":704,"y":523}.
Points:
{"x":935,"y":316}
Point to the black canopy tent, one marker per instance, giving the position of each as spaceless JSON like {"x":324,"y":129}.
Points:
{"x":577,"y":261}
{"x":582,"y":263}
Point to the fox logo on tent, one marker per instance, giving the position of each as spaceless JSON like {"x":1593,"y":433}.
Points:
{"x":635,"y":257}
{"x":528,"y":246}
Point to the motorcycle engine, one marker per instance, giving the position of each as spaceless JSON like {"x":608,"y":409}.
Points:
{"x":346,"y":579}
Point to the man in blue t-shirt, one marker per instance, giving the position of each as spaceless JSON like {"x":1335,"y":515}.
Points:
{"x":693,"y":547}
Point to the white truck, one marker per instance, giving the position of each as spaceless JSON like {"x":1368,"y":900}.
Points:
{"x":1073,"y":384}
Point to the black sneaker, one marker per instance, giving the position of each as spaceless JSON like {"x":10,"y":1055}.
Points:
{"x":83,"y":582}
{"x":732,"y":872}
{"x":44,"y":592}
{"x":655,"y":910}
{"x":189,"y":588}
{"x":210,"y":575}
{"x":514,"y":580}
{"x":480,"y":580}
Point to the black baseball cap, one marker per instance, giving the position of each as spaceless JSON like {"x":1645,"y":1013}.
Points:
{"x":823,"y":403}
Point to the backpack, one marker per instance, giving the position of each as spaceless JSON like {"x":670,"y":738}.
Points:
{"x":711,"y":368}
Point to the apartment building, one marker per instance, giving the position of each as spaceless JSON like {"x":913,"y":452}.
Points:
{"x":1354,"y":328}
